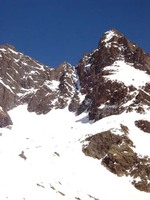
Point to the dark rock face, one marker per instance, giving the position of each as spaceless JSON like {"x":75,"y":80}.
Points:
{"x":5,"y":119}
{"x":100,"y":144}
{"x":20,"y":76}
{"x":75,"y":103}
{"x":144,"y":125}
{"x":56,"y":92}
{"x":116,"y":153}
{"x":111,"y":95}
{"x":116,"y":46}
{"x":105,"y":96}
{"x":25,"y":80}
{"x":87,"y":87}
{"x":108,"y":96}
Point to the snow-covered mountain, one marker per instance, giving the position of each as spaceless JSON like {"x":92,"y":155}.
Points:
{"x":76,"y":132}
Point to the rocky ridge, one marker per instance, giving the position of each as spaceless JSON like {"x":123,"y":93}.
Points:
{"x":117,"y":153}
{"x":111,"y":80}
{"x":24,"y":80}
{"x":105,"y":95}
{"x":117,"y":81}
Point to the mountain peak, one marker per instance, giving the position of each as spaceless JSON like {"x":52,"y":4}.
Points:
{"x":111,"y":34}
{"x":111,"y":86}
{"x":110,"y":38}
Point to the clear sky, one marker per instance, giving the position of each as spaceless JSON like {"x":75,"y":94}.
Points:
{"x":54,"y":31}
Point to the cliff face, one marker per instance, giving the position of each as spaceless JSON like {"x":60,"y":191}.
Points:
{"x":114,"y":77}
{"x":23,"y":80}
{"x":96,"y":84}
{"x":111,"y":85}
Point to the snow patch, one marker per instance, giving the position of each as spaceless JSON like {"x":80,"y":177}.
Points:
{"x":52,"y":85}
{"x":15,"y":52}
{"x":110,"y":34}
{"x":123,"y":72}
{"x":2,"y":49}
{"x":7,"y":86}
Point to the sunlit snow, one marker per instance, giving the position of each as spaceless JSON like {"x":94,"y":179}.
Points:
{"x":109,"y":35}
{"x":15,"y":52}
{"x":55,"y":167}
{"x":127,"y":74}
{"x":7,"y":86}
{"x":52,"y":85}
{"x":2,"y":49}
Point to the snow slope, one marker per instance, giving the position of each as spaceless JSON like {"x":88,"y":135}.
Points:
{"x":41,"y":158}
{"x":126,"y":73}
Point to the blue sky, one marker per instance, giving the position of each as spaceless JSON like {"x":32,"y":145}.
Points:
{"x":54,"y":31}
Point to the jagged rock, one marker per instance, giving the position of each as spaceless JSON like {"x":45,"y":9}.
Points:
{"x":142,"y":185}
{"x":116,"y":153}
{"x":84,"y":72}
{"x":75,"y":103}
{"x":26,"y":81}
{"x":120,"y":159}
{"x":5,"y":119}
{"x":108,"y":97}
{"x":111,"y":95}
{"x":144,"y":125}
{"x":88,"y":87}
{"x":100,"y":143}
{"x":125,"y":129}
{"x":116,"y":46}
{"x":143,"y":97}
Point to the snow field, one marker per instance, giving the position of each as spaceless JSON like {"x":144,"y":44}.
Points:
{"x":56,"y":167}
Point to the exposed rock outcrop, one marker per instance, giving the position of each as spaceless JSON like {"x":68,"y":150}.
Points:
{"x":5,"y":119}
{"x":24,"y":80}
{"x":112,"y":79}
{"x":117,"y":154}
{"x":144,"y":125}
{"x":107,"y":95}
{"x":87,"y":87}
